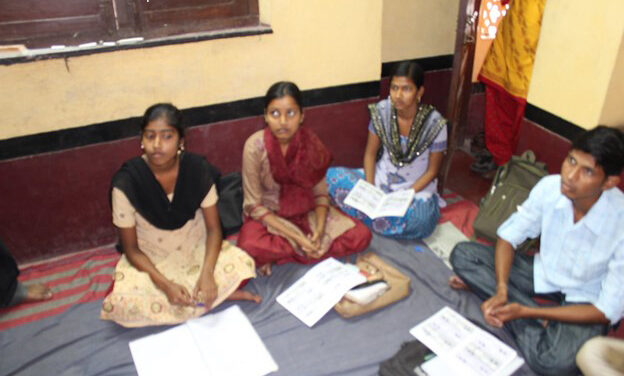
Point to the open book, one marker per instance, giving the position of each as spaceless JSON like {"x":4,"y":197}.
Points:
{"x":462,"y":348}
{"x":373,"y":202}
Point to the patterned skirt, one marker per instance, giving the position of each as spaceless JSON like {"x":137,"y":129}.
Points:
{"x":135,"y":300}
{"x":418,"y":222}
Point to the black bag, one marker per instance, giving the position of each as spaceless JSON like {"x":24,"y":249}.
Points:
{"x":510,"y":187}
{"x":404,"y":363}
{"x":230,"y":204}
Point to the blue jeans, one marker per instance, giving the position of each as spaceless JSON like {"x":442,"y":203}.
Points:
{"x":549,"y":350}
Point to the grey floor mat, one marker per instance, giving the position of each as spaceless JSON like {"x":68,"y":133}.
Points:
{"x":78,"y":343}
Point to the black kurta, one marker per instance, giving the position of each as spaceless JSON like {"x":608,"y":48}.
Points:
{"x":8,"y":276}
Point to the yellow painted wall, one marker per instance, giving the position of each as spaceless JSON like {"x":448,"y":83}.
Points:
{"x":575,"y":58}
{"x":613,"y":109}
{"x":418,"y":28}
{"x":317,"y":44}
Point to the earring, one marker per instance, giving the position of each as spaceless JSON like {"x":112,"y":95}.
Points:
{"x":142,"y":146}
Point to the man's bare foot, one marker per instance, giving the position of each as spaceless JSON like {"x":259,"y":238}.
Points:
{"x":37,"y":292}
{"x":456,"y":283}
{"x":244,"y":295}
{"x":265,"y":270}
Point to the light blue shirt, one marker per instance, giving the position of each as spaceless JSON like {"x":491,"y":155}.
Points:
{"x":583,"y":260}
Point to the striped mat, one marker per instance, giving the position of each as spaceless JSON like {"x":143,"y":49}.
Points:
{"x":76,"y":278}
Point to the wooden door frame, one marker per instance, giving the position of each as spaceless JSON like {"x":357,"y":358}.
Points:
{"x":461,"y":82}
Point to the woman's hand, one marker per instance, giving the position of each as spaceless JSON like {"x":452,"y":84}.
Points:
{"x":433,"y":168}
{"x":307,"y":246}
{"x":177,"y":294}
{"x":315,"y":237}
{"x":311,"y":245}
{"x":206,"y":290}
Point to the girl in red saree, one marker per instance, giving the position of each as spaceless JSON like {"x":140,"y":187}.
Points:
{"x":286,"y":204}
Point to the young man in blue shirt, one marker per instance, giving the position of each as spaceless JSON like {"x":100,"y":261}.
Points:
{"x":580,"y":217}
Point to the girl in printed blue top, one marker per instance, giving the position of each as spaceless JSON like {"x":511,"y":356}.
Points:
{"x":404,"y":150}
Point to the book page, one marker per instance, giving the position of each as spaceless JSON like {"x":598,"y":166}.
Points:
{"x":154,"y":355}
{"x":443,"y":331}
{"x":212,"y":345}
{"x":483,"y":355}
{"x":364,"y":197}
{"x":314,"y":294}
{"x":463,"y":346}
{"x":443,"y":239}
{"x":225,"y":338}
{"x":438,"y":367}
{"x":395,"y":204}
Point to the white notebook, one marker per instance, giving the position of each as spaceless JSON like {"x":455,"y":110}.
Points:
{"x":212,"y":345}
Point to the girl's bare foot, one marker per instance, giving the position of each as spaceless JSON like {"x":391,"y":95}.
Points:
{"x":265,"y":270}
{"x":37,"y":292}
{"x":456,"y":283}
{"x":244,"y":295}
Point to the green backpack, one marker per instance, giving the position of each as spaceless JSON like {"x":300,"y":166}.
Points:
{"x":510,"y":187}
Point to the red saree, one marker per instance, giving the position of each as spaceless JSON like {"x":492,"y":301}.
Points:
{"x":291,"y":186}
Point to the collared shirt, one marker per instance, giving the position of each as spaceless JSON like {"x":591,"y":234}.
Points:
{"x":583,"y":260}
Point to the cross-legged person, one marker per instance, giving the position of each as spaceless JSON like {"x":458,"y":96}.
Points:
{"x":580,"y":217}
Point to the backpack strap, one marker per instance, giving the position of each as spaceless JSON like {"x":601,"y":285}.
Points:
{"x":528,"y":155}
